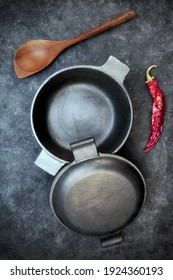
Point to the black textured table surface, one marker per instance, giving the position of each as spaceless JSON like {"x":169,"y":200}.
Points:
{"x":28,"y":229}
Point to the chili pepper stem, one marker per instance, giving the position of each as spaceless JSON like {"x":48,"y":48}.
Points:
{"x":149,"y":78}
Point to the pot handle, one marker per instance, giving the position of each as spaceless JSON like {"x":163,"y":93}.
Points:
{"x":115,"y":68}
{"x":48,"y":163}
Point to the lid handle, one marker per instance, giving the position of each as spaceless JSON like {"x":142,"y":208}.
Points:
{"x":111,"y":239}
{"x":84,"y":149}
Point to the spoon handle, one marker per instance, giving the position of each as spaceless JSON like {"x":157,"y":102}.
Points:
{"x":103,"y":27}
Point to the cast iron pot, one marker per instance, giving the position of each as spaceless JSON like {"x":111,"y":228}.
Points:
{"x":76,"y":112}
{"x":78,"y":103}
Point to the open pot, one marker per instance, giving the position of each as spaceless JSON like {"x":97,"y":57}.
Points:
{"x":78,"y":103}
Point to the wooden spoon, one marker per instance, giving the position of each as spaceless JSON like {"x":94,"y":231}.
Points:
{"x":35,"y":55}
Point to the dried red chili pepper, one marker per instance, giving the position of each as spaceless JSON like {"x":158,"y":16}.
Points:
{"x":157,"y":110}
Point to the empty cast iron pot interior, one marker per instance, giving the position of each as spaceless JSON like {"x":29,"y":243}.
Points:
{"x":80,"y":103}
{"x":97,"y":196}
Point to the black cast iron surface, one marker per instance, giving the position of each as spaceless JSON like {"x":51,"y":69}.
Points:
{"x":98,"y":194}
{"x":28,"y":230}
{"x":81,"y":103}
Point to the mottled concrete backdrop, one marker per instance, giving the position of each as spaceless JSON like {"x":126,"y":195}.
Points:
{"x":28,"y":230}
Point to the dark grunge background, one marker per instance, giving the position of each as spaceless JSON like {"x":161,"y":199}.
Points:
{"x":28,"y":230}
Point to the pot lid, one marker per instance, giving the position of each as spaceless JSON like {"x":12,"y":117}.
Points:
{"x":97,"y":194}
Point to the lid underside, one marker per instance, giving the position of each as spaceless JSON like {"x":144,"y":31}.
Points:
{"x":98,"y":196}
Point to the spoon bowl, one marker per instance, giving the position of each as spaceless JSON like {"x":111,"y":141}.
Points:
{"x":35,"y":55}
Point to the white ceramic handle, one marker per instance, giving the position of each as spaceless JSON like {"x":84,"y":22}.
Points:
{"x":115,"y":68}
{"x":48,"y":163}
